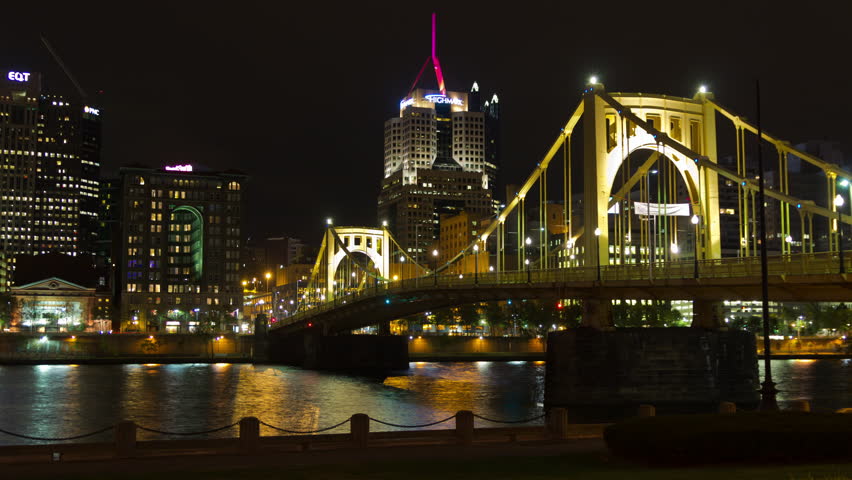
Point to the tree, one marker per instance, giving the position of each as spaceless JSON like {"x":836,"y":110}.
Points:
{"x":7,"y":309}
{"x":653,"y":314}
{"x":497,"y":318}
{"x":468,"y":315}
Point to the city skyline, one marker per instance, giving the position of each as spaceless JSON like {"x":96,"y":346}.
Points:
{"x":262,"y":90}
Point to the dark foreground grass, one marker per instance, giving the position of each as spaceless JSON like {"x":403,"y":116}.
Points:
{"x":570,"y":466}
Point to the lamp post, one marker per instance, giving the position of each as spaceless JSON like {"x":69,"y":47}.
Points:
{"x":435,"y":254}
{"x":527,"y":263}
{"x":267,"y":276}
{"x":296,"y":294}
{"x":597,"y":251}
{"x":838,"y":202}
{"x":476,"y":264}
{"x":768,"y":401}
{"x":695,"y":220}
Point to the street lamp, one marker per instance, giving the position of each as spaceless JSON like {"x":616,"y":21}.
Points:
{"x":268,"y":276}
{"x":597,"y":251}
{"x":838,"y":202}
{"x":695,"y":219}
{"x":527,"y":262}
{"x":435,"y":254}
{"x":476,"y":264}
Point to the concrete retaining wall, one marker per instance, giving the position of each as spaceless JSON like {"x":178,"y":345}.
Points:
{"x":30,"y":347}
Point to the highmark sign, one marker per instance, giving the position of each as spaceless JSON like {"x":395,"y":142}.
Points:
{"x":434,"y":98}
{"x":439,"y":98}
{"x":179,"y":168}
{"x":18,"y":76}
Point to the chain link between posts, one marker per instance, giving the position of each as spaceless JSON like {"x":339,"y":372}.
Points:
{"x":304,"y":431}
{"x":412,"y":426}
{"x":526,"y":420}
{"x":57,"y":439}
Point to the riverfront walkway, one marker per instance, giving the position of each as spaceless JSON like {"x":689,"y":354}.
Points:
{"x":573,"y":459}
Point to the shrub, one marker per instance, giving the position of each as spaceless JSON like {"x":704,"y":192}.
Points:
{"x":740,"y":437}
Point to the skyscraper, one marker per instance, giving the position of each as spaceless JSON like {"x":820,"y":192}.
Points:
{"x":436,"y":160}
{"x":49,"y":169}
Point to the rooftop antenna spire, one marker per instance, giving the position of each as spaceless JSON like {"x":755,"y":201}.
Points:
{"x":435,"y":62}
{"x":434,"y":59}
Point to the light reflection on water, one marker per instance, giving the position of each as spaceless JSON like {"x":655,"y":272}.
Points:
{"x":64,"y":400}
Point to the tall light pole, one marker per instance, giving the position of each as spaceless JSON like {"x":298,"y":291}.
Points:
{"x":768,"y":401}
{"x":529,"y":276}
{"x":695,"y":220}
{"x":838,"y":202}
{"x":267,"y":276}
{"x":435,"y":254}
{"x":597,"y":251}
{"x":476,"y":264}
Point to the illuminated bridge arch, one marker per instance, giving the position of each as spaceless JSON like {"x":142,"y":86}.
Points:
{"x":612,"y":138}
{"x":342,"y":242}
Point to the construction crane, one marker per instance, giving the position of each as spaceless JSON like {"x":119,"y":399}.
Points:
{"x":68,"y":74}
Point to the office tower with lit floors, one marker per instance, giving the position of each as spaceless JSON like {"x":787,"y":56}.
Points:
{"x":49,"y":170}
{"x":435,"y":162}
{"x":181,"y":237}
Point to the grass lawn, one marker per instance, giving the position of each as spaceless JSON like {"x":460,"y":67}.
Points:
{"x":569,"y":466}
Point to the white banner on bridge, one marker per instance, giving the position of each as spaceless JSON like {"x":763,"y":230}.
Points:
{"x":662,"y":209}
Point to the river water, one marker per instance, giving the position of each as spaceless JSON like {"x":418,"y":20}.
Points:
{"x":66,"y":400}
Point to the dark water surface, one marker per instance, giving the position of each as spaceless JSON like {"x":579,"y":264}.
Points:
{"x":66,"y":400}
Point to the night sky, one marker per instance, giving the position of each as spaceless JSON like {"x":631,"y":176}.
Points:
{"x":296,"y":96}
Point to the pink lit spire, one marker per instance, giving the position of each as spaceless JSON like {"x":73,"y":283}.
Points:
{"x":434,"y":59}
{"x":435,"y":62}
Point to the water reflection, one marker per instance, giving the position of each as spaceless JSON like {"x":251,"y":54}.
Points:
{"x":64,"y":400}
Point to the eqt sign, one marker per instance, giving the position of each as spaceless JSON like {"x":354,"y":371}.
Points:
{"x":18,"y":76}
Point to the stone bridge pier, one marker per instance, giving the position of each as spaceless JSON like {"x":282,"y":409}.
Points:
{"x":600,"y":371}
{"x":314,"y":349}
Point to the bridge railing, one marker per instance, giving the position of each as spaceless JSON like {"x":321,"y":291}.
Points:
{"x":738,"y":267}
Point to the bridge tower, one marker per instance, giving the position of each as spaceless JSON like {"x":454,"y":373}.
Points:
{"x":341,"y":242}
{"x":611,"y":135}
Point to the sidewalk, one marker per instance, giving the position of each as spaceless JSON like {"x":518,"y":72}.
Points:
{"x":281,"y":462}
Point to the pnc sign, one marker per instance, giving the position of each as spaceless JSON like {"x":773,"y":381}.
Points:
{"x":93,"y":111}
{"x":178,"y":168}
{"x":18,"y":76}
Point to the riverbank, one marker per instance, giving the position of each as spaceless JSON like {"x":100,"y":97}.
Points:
{"x":132,"y":348}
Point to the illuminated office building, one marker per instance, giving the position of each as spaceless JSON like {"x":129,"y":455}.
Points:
{"x":181,"y":238}
{"x":438,"y":159}
{"x":49,"y":169}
